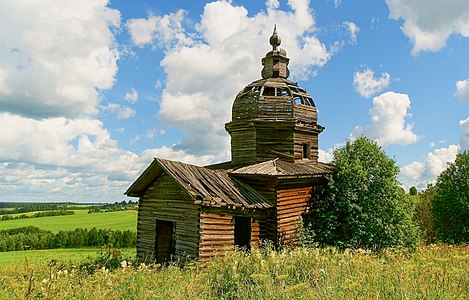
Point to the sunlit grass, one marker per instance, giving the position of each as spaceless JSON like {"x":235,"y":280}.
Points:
{"x":43,"y":257}
{"x":116,"y":220}
{"x":437,"y":272}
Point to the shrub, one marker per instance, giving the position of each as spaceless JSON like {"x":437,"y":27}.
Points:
{"x":363,"y":205}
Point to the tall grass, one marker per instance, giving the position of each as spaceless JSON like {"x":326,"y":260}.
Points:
{"x":436,"y":272}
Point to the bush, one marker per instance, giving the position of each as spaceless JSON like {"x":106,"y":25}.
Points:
{"x":363,"y":205}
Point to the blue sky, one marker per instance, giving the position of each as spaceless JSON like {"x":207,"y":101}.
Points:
{"x":92,"y":90}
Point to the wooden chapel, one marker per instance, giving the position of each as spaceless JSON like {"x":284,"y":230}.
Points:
{"x":187,"y":211}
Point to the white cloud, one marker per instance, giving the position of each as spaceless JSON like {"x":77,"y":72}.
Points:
{"x":121,"y":112}
{"x":353,"y":30}
{"x":60,"y":142}
{"x":337,"y":3}
{"x":367,"y":85}
{"x":462,"y":89}
{"x":326,"y":156}
{"x":163,"y":31}
{"x":388,"y":121}
{"x":429,"y":23}
{"x":420,"y":174}
{"x":204,"y":74}
{"x":56,"y":56}
{"x":464,"y":140}
{"x":131,"y":96}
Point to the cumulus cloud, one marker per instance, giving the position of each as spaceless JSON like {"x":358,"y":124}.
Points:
{"x":464,"y":140}
{"x":367,"y":85}
{"x":462,"y":89}
{"x":205,"y":69}
{"x":428,"y":24}
{"x":55,"y":57}
{"x":420,"y":174}
{"x":131,"y":96}
{"x":388,"y":124}
{"x":121,"y":112}
{"x":162,"y":31}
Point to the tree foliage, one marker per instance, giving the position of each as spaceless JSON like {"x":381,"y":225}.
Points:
{"x":451,"y":203}
{"x":423,"y":216}
{"x":363,"y":205}
{"x":413,"y":191}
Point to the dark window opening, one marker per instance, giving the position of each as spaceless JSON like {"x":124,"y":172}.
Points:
{"x":306,"y":150}
{"x":242,"y":232}
{"x":268,"y":91}
{"x":297,"y":99}
{"x":165,"y":241}
{"x":309,"y":101}
{"x":256,"y":89}
{"x":283,"y":92}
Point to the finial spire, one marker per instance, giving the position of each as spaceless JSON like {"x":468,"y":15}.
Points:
{"x":275,"y":40}
{"x":276,"y":61}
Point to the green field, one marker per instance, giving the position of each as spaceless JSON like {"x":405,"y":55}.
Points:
{"x":43,"y":257}
{"x":117,"y":220}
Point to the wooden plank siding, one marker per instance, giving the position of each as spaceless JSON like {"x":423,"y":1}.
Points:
{"x":216,"y":235}
{"x":166,"y":200}
{"x":291,"y":204}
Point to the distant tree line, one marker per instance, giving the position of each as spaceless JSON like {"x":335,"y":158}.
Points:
{"x":34,"y":238}
{"x":40,"y":214}
{"x":116,"y":206}
{"x":19,"y":208}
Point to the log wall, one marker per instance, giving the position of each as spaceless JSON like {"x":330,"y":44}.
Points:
{"x":301,"y":138}
{"x":165,"y":200}
{"x":291,"y":204}
{"x":216,"y":235}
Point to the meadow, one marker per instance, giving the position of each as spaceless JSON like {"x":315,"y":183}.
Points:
{"x":116,"y":220}
{"x":433,"y":272}
{"x":18,"y":259}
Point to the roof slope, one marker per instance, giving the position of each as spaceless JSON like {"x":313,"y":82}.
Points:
{"x":206,"y":187}
{"x":278,"y":167}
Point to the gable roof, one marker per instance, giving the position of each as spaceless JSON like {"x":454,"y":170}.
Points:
{"x":207,"y":187}
{"x":278,"y":167}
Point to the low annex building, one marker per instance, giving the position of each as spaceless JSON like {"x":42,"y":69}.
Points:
{"x":191,"y":211}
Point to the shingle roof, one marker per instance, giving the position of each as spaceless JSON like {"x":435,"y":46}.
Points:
{"x":205,"y":186}
{"x":278,"y":167}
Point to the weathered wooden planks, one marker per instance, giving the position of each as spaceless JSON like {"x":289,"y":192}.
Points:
{"x":215,"y":243}
{"x":291,"y":204}
{"x":167,"y":201}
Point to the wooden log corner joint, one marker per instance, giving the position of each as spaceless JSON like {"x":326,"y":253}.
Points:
{"x":188,"y":211}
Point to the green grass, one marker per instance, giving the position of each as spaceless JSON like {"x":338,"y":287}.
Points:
{"x":43,"y":257}
{"x":118,"y":220}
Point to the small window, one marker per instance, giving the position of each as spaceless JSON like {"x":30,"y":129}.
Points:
{"x":309,"y":101}
{"x":306,"y":150}
{"x":283,"y":92}
{"x":256,"y":89}
{"x":268,"y":91}
{"x":297,"y":99}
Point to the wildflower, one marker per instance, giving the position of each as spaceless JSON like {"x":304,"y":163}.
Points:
{"x":124,"y":264}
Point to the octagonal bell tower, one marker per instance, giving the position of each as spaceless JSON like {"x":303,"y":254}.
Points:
{"x":272,"y":117}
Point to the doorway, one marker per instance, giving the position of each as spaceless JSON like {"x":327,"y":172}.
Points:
{"x":242,"y":232}
{"x":164,"y":241}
